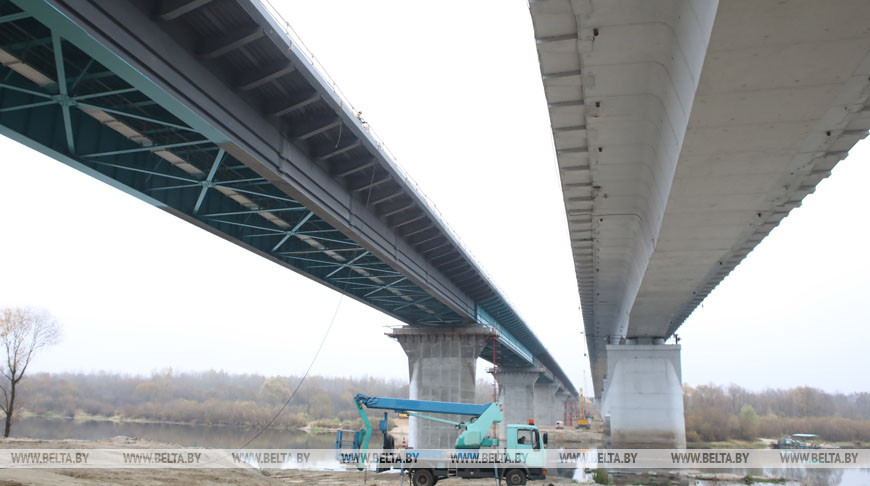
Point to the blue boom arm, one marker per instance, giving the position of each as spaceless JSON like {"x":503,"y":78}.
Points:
{"x":404,"y":405}
{"x":474,"y":434}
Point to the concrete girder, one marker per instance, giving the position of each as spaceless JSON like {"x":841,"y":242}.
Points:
{"x":633,"y":104}
{"x":759,"y":139}
{"x":692,"y":129}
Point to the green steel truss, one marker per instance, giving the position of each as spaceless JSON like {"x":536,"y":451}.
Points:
{"x":60,"y":101}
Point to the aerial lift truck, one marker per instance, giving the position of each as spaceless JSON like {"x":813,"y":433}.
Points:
{"x":524,"y":441}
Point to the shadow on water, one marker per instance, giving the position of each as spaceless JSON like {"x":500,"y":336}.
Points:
{"x":183,"y":435}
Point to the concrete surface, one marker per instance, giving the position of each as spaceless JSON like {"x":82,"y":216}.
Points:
{"x":546,"y":410}
{"x":685,"y":131}
{"x":644,"y":396}
{"x":516,"y":392}
{"x":441,"y":367}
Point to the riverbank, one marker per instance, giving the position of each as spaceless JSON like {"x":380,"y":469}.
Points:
{"x":242,"y":476}
{"x":247,"y":475}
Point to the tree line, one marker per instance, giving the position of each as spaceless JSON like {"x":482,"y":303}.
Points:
{"x":715,"y":413}
{"x":207,"y":398}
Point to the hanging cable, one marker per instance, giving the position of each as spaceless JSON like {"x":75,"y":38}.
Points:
{"x":301,"y":381}
{"x":304,"y":377}
{"x":316,"y":354}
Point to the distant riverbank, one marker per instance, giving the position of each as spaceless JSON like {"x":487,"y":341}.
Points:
{"x":187,"y":435}
{"x":211,"y":398}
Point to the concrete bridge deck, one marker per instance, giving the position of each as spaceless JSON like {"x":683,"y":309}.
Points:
{"x":685,"y":131}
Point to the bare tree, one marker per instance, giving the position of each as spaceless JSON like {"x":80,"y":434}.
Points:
{"x":22,"y":332}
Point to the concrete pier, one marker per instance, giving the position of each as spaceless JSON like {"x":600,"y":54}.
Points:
{"x":561,"y":412}
{"x":516,"y":392}
{"x":644,"y":396}
{"x":441,"y":366}
{"x":547,"y":411}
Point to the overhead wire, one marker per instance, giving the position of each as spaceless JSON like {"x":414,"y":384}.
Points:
{"x":316,"y":353}
{"x":304,"y":377}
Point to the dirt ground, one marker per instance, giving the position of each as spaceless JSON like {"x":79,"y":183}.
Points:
{"x":51,"y":477}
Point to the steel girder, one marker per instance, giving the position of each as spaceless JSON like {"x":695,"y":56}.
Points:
{"x":73,"y":87}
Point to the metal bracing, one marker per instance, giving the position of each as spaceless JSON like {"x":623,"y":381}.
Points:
{"x":173,"y":9}
{"x":293,"y":231}
{"x":428,"y":224}
{"x":223,"y":44}
{"x":408,"y":205}
{"x":143,"y":171}
{"x":353,"y":169}
{"x":338,"y":150}
{"x":296,"y":104}
{"x":25,"y":90}
{"x":265,"y":75}
{"x":13,"y":17}
{"x":28,"y":105}
{"x":151,"y":148}
{"x":351,"y":262}
{"x":119,"y":120}
{"x":254,"y":211}
{"x":209,"y":180}
{"x":63,"y":100}
{"x":133,"y":115}
{"x":316,"y":127}
{"x":405,"y":290}
{"x":81,"y":75}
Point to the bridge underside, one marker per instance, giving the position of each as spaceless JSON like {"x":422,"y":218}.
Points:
{"x":208,"y":111}
{"x":685,"y":132}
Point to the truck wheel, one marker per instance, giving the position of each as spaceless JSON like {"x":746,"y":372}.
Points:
{"x":515,"y":477}
{"x":422,"y":477}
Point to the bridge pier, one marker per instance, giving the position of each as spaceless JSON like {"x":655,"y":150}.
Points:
{"x":545,"y":404}
{"x":562,"y":405}
{"x":442,"y":365}
{"x":516,"y":392}
{"x":644,"y":396}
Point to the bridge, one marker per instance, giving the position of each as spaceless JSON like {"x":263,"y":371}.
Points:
{"x":213,"y":112}
{"x":685,"y":131}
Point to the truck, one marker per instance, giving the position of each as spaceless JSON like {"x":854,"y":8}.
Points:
{"x":475,"y":440}
{"x":793,"y":443}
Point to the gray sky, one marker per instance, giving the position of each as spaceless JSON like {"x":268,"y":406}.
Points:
{"x":456,"y":93}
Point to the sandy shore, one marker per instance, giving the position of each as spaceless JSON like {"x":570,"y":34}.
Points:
{"x":239,"y":476}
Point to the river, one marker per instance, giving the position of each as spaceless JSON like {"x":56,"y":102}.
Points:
{"x":220,"y":437}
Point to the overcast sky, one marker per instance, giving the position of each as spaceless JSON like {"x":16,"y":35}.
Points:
{"x":456,"y":93}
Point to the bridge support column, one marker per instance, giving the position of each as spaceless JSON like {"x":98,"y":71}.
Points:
{"x":644,"y":396}
{"x":561,"y":410}
{"x":545,"y":404}
{"x":442,"y":364}
{"x":516,"y":392}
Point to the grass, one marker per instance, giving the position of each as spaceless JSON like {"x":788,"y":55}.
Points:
{"x":600,"y":476}
{"x":850,"y":444}
{"x":753,"y":479}
{"x":728,"y":444}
